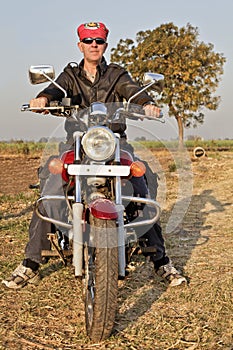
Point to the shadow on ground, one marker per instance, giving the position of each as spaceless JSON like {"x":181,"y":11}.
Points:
{"x":143,"y":288}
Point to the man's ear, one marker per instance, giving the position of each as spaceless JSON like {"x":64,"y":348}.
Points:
{"x":80,"y":46}
{"x":106,"y":46}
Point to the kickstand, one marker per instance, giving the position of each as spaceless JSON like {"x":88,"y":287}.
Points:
{"x":52,"y":238}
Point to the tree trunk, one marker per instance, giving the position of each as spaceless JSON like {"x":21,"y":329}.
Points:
{"x":180,"y":131}
{"x":180,"y":126}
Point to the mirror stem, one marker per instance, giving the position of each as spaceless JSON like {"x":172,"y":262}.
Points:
{"x":132,"y":97}
{"x":57,"y":85}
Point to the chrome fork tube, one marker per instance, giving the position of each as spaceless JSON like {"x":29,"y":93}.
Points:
{"x":120,"y":211}
{"x":77,"y":160}
{"x":77,"y":215}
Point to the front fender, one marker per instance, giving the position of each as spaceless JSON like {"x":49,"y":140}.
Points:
{"x":103,"y":208}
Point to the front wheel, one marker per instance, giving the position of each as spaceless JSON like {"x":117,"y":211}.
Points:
{"x":101,"y":278}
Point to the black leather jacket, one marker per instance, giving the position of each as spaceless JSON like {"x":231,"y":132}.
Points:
{"x":112,"y":84}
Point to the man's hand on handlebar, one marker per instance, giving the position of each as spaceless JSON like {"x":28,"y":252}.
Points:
{"x":152,"y":111}
{"x":40,"y":102}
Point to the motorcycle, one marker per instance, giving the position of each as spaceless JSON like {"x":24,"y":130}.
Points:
{"x":102,"y":224}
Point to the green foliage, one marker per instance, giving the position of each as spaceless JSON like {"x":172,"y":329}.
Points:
{"x":211,"y":144}
{"x":21,"y":147}
{"x":36,"y":148}
{"x":207,"y":144}
{"x":191,"y":68}
{"x":172,"y":167}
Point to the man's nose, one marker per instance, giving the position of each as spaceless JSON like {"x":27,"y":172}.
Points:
{"x":94,"y":43}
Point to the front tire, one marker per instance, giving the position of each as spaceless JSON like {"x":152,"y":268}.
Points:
{"x":101,"y":278}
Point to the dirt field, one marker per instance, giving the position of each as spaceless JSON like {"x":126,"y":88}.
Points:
{"x":151,"y":315}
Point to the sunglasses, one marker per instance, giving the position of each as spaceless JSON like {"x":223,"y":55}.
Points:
{"x":88,"y":41}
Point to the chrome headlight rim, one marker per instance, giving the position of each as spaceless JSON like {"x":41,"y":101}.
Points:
{"x":94,"y":134}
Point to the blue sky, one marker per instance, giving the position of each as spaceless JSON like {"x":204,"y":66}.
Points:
{"x":38,"y":32}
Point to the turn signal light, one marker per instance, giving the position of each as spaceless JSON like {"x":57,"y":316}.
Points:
{"x":55,"y":166}
{"x":137,"y":169}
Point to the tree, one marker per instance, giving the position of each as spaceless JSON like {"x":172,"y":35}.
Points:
{"x":191,"y":68}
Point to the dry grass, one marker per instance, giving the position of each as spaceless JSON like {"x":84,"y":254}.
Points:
{"x":151,"y":315}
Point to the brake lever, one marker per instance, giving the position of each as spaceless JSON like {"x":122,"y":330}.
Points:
{"x":143,"y":116}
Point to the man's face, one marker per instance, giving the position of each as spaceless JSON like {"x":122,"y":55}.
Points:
{"x":92,"y":52}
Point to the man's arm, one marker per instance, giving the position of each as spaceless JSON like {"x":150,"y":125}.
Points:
{"x":126,"y":88}
{"x":51,"y":93}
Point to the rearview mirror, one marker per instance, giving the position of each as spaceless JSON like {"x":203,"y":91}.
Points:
{"x":156,"y":80}
{"x":41,"y":74}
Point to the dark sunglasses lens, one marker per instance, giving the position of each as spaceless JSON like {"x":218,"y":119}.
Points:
{"x":89,"y":41}
{"x":99,"y":41}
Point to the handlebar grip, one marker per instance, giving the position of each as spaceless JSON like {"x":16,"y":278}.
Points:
{"x":25,"y":107}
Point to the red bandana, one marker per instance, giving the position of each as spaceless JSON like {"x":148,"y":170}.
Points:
{"x":92,"y":30}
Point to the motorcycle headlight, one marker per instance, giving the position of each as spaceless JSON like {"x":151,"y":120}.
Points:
{"x":99,"y":143}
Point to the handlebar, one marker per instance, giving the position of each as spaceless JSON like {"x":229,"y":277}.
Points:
{"x":26,"y":107}
{"x":63,"y":111}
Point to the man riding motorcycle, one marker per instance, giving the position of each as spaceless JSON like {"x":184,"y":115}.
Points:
{"x":90,"y":81}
